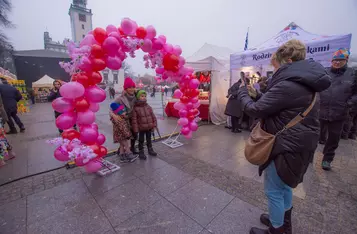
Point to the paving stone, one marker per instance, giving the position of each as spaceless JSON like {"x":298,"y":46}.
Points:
{"x":237,"y":217}
{"x":60,"y":198}
{"x":162,"y":217}
{"x":200,"y":201}
{"x":166,"y":179}
{"x":124,"y":201}
{"x":13,"y":217}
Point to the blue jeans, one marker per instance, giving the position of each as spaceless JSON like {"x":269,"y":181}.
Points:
{"x":279,"y":196}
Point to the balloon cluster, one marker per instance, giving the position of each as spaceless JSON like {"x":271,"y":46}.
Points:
{"x":108,"y":48}
{"x":188,"y":104}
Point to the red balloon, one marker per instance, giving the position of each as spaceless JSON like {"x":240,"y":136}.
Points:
{"x":121,"y":31}
{"x":82,"y":105}
{"x":195,"y":92}
{"x":190,"y":117}
{"x":184,"y":99}
{"x":171,"y":62}
{"x":70,"y":134}
{"x":83,"y":79}
{"x":97,"y":51}
{"x":100,"y":35}
{"x":74,"y":77}
{"x":103,"y":151}
{"x":141,"y":32}
{"x":98,"y":64}
{"x":94,"y":78}
{"x":95,"y":148}
{"x":193,"y":112}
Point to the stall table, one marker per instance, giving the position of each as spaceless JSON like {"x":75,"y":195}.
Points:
{"x":203,"y":109}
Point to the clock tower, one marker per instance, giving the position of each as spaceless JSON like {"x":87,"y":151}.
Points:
{"x":81,"y":19}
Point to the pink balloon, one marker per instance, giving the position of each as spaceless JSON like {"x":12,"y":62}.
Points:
{"x":194,"y":100}
{"x":93,"y":106}
{"x":150,"y":32}
{"x":168,"y":48}
{"x":177,"y":94}
{"x":185,"y":131}
{"x":94,"y":126}
{"x":88,"y":135}
{"x":147,"y":45}
{"x":93,"y":166}
{"x":159,"y":70}
{"x":72,"y":90}
{"x":111,"y":28}
{"x":182,"y":61}
{"x":183,"y":113}
{"x":88,"y":40}
{"x":188,"y":136}
{"x":196,"y":105}
{"x":194,"y":83}
{"x":164,"y":76}
{"x":80,"y":161}
{"x":114,"y":63}
{"x":127,"y":26}
{"x":157,"y":44}
{"x":121,"y":54}
{"x":100,"y":139}
{"x":85,"y":117}
{"x":182,"y":121}
{"x":179,"y":106}
{"x":116,"y":35}
{"x":61,"y":155}
{"x":177,"y":50}
{"x":189,"y":106}
{"x":66,"y":120}
{"x":111,"y":46}
{"x":95,"y":94}
{"x":162,"y":38}
{"x":85,"y":64}
{"x":193,"y":126}
{"x":62,"y":104}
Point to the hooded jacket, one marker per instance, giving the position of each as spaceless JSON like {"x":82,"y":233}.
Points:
{"x":340,"y":96}
{"x":289,"y":93}
{"x":233,"y":107}
{"x":143,"y":118}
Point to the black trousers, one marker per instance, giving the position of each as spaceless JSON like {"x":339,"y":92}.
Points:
{"x":236,"y":122}
{"x":142,"y":136}
{"x":350,"y":126}
{"x":133,"y":139}
{"x":330,"y":133}
{"x":13,"y":115}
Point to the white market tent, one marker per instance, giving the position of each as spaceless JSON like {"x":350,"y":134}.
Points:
{"x":318,"y":47}
{"x":215,"y":59}
{"x":44,"y":82}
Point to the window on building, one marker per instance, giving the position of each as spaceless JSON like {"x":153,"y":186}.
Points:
{"x":105,"y":76}
{"x":82,"y":18}
{"x":82,"y":26}
{"x":115,"y":78}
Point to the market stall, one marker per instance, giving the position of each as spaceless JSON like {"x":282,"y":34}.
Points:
{"x":42,"y":88}
{"x":211,"y":65}
{"x":318,"y":47}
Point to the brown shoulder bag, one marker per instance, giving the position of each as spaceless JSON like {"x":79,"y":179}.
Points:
{"x":260,"y":143}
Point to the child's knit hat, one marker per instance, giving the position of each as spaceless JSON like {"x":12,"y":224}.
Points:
{"x":139,"y":93}
{"x":117,"y":108}
{"x":341,"y":53}
{"x":128,"y":83}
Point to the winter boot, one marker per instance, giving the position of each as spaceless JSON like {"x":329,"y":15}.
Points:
{"x":132,"y":157}
{"x":352,"y":137}
{"x":134,"y":150}
{"x":142,"y":155}
{"x":326,"y":165}
{"x":322,"y":142}
{"x":270,"y":230}
{"x":12,"y":131}
{"x":123,"y":158}
{"x":264,"y":219}
{"x":151,"y":152}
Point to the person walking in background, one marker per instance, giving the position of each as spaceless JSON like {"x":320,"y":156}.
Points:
{"x":233,"y":107}
{"x":10,"y":97}
{"x":111,"y":92}
{"x":144,"y":122}
{"x":153,"y":91}
{"x":31,"y":94}
{"x":336,"y":102}
{"x":128,"y":99}
{"x":292,"y":91}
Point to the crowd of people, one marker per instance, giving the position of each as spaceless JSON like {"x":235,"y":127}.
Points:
{"x":303,"y":104}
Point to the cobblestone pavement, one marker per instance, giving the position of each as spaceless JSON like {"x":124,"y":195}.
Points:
{"x":34,"y":155}
{"x":204,"y":186}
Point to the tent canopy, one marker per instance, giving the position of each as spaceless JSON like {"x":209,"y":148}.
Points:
{"x":45,"y":81}
{"x":215,"y":59}
{"x":318,"y":47}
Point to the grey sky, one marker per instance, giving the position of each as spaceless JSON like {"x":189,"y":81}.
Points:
{"x":188,"y":23}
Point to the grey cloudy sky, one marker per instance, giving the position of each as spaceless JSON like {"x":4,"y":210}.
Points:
{"x":188,"y":23}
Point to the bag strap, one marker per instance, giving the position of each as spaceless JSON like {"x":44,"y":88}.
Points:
{"x":297,"y":119}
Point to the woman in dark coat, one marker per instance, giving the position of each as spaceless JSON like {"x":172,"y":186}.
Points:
{"x":233,"y":108}
{"x":289,"y":93}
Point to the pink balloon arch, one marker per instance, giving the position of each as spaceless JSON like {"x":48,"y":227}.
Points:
{"x":108,"y":48}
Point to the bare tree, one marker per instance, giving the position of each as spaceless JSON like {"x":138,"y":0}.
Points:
{"x":127,"y":70}
{"x":6,"y":48}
